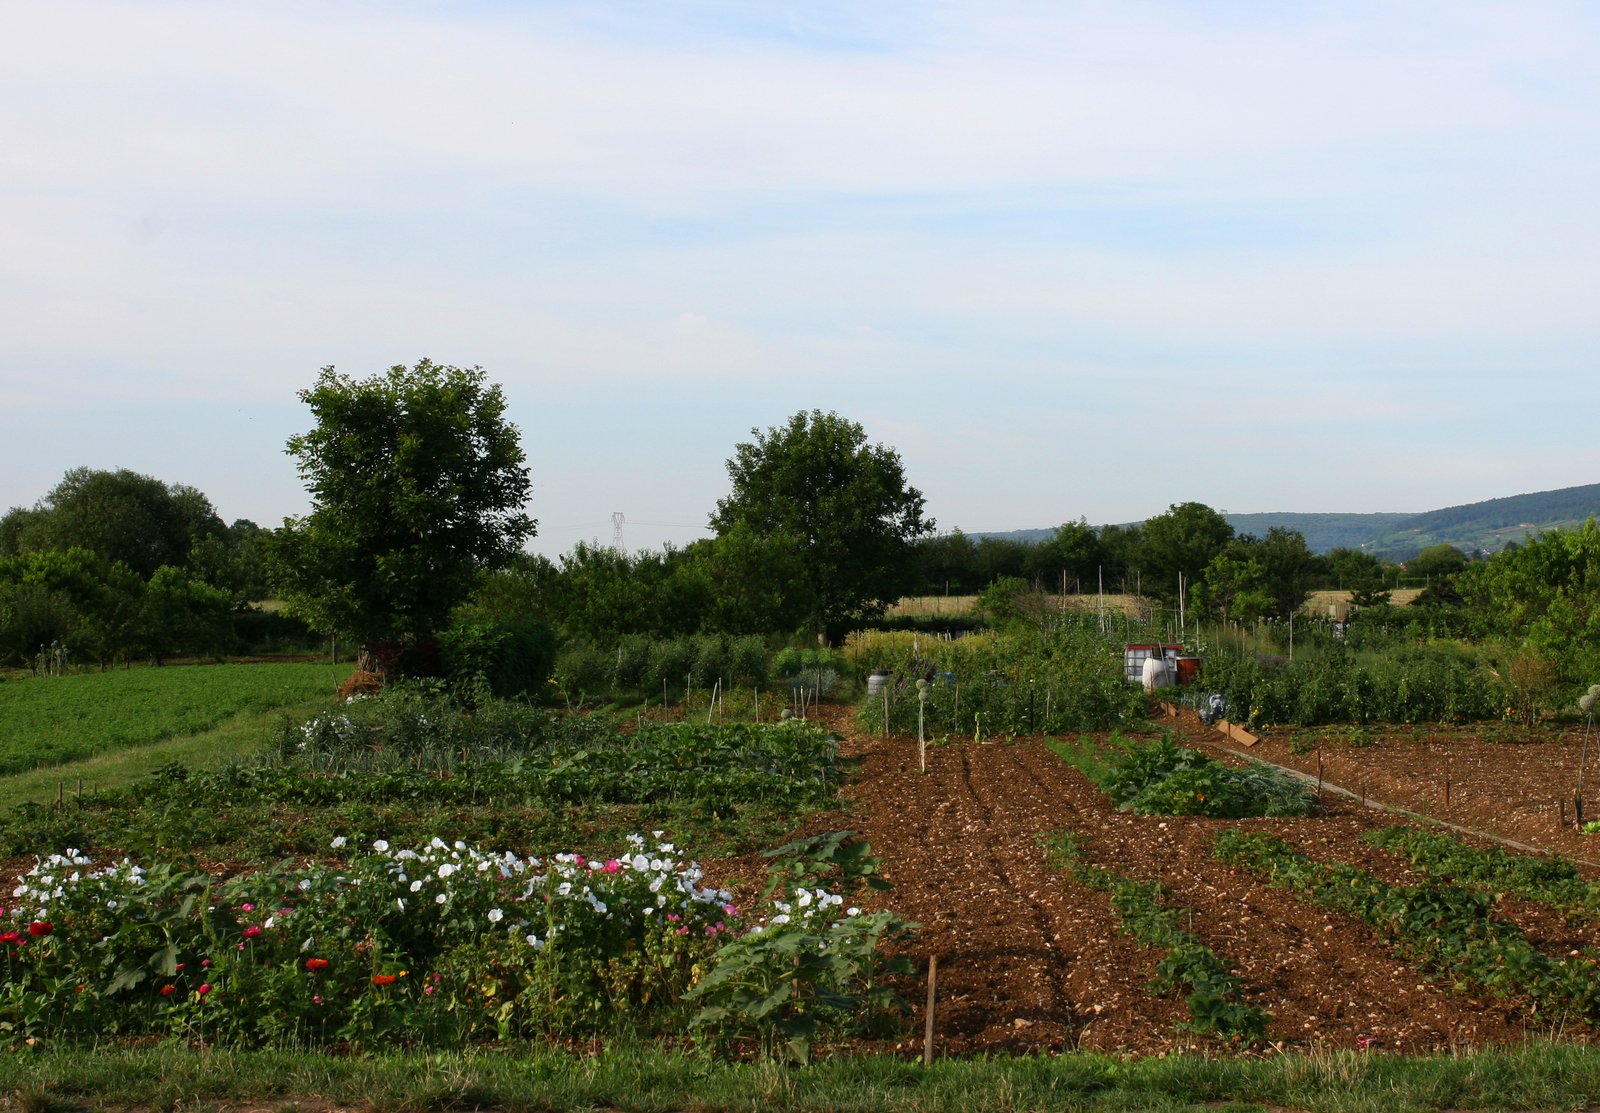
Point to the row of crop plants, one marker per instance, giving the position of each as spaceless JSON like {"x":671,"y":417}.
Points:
{"x":1062,"y":678}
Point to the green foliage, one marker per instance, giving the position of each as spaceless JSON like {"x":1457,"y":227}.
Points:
{"x":1057,"y":676}
{"x":506,"y":659}
{"x":1183,"y":541}
{"x":118,"y":516}
{"x":1546,"y":594}
{"x":813,"y":968}
{"x":1434,"y":683}
{"x":417,"y":484}
{"x":815,"y":486}
{"x":1162,"y":778}
{"x":1213,"y":995}
{"x":1002,"y":599}
{"x":1359,"y":573}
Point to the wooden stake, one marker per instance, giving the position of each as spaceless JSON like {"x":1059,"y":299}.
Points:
{"x":927,"y":1027}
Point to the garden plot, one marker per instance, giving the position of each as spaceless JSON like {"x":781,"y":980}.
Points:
{"x":1030,"y":958}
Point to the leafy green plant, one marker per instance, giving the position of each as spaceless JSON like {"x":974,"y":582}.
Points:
{"x":813,"y":965}
{"x":1160,"y":777}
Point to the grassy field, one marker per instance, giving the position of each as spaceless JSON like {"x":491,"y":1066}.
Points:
{"x":110,"y":727}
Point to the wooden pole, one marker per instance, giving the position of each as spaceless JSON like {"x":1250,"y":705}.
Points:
{"x":927,"y":1027}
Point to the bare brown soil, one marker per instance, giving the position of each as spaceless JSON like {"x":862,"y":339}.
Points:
{"x":1029,"y":960}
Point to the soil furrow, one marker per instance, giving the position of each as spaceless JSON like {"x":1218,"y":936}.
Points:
{"x":1030,"y":960}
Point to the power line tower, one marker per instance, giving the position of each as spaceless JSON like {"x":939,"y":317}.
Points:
{"x":616,"y":532}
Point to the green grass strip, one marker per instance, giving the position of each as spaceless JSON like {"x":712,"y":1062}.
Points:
{"x":1214,"y":996}
{"x":1538,"y":1076}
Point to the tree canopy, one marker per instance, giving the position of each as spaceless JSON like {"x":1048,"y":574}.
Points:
{"x":418,"y":484}
{"x":840,"y":504}
{"x":1183,"y":541}
{"x":117,"y":515}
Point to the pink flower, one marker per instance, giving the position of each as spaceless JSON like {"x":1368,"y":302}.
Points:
{"x":428,"y":989}
{"x":578,"y":859}
{"x":317,"y":1000}
{"x":248,"y":907}
{"x":682,"y":931}
{"x":612,"y":865}
{"x":673,"y":917}
{"x":204,"y":989}
{"x":731,"y":910}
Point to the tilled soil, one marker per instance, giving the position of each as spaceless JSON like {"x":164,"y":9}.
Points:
{"x":1029,"y":960}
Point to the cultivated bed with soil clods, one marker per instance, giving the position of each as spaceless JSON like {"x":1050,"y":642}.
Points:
{"x":1031,"y":960}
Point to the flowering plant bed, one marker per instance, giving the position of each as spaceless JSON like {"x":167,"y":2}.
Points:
{"x":437,"y":945}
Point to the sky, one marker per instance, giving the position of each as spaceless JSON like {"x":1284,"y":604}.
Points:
{"x":1069,"y":259}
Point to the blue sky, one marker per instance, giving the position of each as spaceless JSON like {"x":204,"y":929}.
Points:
{"x":1070,"y":259}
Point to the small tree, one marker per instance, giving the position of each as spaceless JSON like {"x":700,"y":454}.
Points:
{"x":418,"y":485}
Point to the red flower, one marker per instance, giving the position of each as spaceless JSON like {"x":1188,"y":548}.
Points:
{"x":40,"y":927}
{"x":205,"y":989}
{"x":168,"y":990}
{"x":252,"y":931}
{"x":316,"y":964}
{"x":9,"y":937}
{"x":383,"y":979}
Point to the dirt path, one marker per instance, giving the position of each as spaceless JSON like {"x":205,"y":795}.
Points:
{"x":1030,"y":960}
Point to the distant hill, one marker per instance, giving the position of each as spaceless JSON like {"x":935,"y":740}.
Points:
{"x":1478,"y":525}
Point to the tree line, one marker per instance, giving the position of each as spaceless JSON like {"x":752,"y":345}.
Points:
{"x":414,"y":549}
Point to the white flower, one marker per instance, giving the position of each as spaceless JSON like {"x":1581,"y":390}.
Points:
{"x":495,"y":915}
{"x":416,"y":886}
{"x":852,"y":911}
{"x":381,"y":846}
{"x":337,"y":843}
{"x":446,"y":870}
{"x":640,"y":863}
{"x":441,"y":898}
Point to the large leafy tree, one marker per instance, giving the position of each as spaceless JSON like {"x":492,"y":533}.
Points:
{"x":1544,"y":594}
{"x":840,"y":504}
{"x":418,"y":485}
{"x":1183,"y":541}
{"x":117,"y":515}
